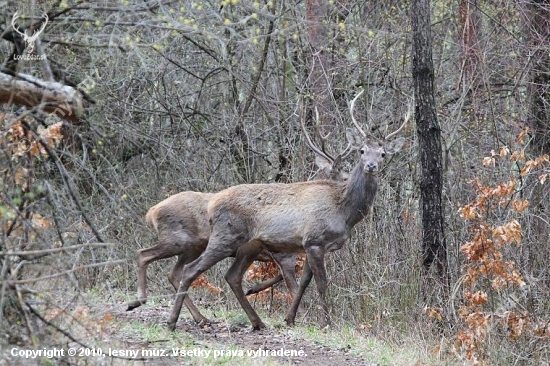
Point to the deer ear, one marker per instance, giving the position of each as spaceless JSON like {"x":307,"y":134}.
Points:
{"x":324,"y":166}
{"x":395,"y":146}
{"x":322,"y":163}
{"x":354,"y":138}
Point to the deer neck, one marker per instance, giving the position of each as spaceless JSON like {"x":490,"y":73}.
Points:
{"x":358,"y":195}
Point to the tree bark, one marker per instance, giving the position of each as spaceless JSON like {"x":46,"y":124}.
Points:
{"x":539,"y":32}
{"x":429,"y":137}
{"x":319,"y":82}
{"x":536,"y":24}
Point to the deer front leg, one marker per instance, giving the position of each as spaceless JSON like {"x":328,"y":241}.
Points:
{"x":212,"y":255}
{"x":175,"y":277}
{"x":245,"y":257}
{"x":304,"y":283}
{"x":316,"y":258}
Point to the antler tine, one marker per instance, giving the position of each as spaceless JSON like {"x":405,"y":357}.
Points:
{"x":347,"y":151}
{"x":15,"y":17}
{"x":352,"y":105}
{"x":407,"y":118}
{"x":43,"y":25}
{"x":310,"y":143}
{"x":323,"y":138}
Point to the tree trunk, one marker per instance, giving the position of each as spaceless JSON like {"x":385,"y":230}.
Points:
{"x":539,"y":31}
{"x":429,"y":137}
{"x":470,"y":37}
{"x":319,"y":82}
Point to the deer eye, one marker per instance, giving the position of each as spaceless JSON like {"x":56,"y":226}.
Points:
{"x":362,"y":151}
{"x":383,"y":154}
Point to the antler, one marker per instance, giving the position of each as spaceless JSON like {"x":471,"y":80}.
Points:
{"x":407,"y":118}
{"x":42,"y":27}
{"x":351,"y":106}
{"x":310,"y":143}
{"x":321,"y":152}
{"x":15,"y":17}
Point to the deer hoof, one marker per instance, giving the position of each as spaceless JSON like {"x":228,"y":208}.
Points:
{"x":258,"y":326}
{"x":289,"y":321}
{"x":203,"y":322}
{"x":134,"y":304}
{"x":171,"y":327}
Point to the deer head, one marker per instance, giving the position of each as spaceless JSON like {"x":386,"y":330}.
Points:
{"x":373,"y":151}
{"x":29,"y":40}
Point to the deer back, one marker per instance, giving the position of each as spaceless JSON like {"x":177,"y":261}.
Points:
{"x":180,"y":216}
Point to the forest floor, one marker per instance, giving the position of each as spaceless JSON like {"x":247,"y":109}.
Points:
{"x":229,"y":340}
{"x":223,"y":343}
{"x":103,"y":334}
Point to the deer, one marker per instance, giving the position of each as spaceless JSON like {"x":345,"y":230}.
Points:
{"x":181,"y":223}
{"x":314,"y":217}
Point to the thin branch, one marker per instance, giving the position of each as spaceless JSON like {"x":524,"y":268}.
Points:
{"x":54,"y":250}
{"x":38,"y":279}
{"x":66,"y":180}
{"x":68,"y":335}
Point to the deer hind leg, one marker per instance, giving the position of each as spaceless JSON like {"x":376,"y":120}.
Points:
{"x":144,"y":258}
{"x":234,"y":276}
{"x":307,"y":275}
{"x":175,"y":276}
{"x":214,"y":253}
{"x":259,"y":287}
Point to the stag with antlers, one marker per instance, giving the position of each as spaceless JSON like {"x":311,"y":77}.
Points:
{"x":181,"y":222}
{"x":313,"y":217}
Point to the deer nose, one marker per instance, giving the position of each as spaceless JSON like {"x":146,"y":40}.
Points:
{"x":371,"y":167}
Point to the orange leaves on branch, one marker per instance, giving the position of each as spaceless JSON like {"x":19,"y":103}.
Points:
{"x":519,"y":205}
{"x":510,"y":233}
{"x":279,"y":297}
{"x":487,"y":270}
{"x":521,"y":137}
{"x":475,"y":298}
{"x":22,"y":141}
{"x":21,"y":178}
{"x":434,"y":313}
{"x":529,"y":165}
{"x":516,"y":324}
{"x":39,"y":222}
{"x":468,"y":212}
{"x":489,"y":161}
{"x":202,"y":282}
{"x":262,"y":271}
{"x":300,"y":264}
{"x":518,"y":156}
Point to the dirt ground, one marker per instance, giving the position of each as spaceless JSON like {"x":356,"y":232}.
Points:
{"x":224,"y":338}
